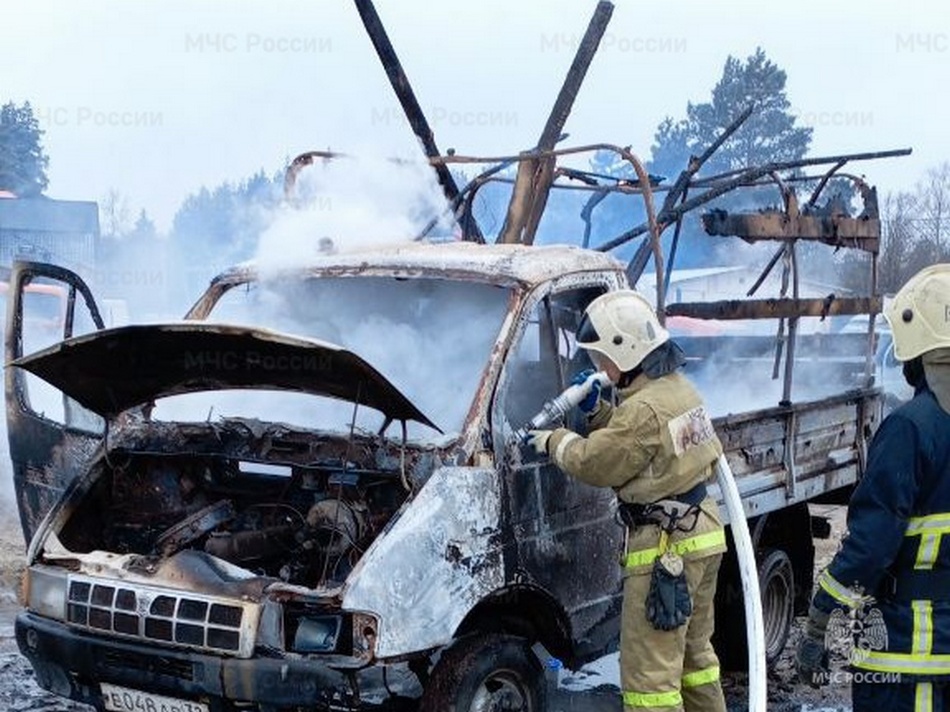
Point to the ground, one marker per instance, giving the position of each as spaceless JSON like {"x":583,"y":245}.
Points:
{"x":590,"y":690}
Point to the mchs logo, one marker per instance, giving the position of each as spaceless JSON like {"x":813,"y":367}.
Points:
{"x":855,"y":633}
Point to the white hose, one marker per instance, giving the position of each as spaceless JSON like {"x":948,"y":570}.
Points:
{"x":745,"y":553}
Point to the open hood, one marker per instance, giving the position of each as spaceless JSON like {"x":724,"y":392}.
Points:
{"x":112,"y":370}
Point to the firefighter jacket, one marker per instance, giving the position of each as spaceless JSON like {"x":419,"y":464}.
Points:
{"x":893,"y":569}
{"x":658,"y":442}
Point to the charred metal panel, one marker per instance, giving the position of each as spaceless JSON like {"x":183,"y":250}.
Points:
{"x":572,"y":551}
{"x":235,"y":438}
{"x":503,"y":265}
{"x":440,"y":558}
{"x":46,"y":455}
{"x":46,"y":460}
{"x":115,"y":369}
{"x":826,"y":438}
{"x":838,"y":230}
{"x":776,"y":308}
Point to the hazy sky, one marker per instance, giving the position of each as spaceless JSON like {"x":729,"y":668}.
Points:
{"x":157,"y":99}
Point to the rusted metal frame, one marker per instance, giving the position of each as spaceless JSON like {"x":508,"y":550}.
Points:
{"x":872,"y":316}
{"x":803,"y":162}
{"x":587,"y":215}
{"x":838,"y":231}
{"x":673,"y":246}
{"x":859,"y":436}
{"x":792,"y":329}
{"x":780,"y":338}
{"x":70,"y":312}
{"x":823,"y":182}
{"x":528,"y":155}
{"x":766,"y":272}
{"x":695,"y":163}
{"x":535,"y":174}
{"x":724,"y":186}
{"x":410,"y":105}
{"x":638,"y":262}
{"x":791,"y":464}
{"x":655,"y":231}
{"x":790,"y":268}
{"x":552,"y":337}
{"x":736,"y":309}
{"x":301,"y":162}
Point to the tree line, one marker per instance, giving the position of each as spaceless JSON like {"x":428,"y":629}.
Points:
{"x":221,"y":225}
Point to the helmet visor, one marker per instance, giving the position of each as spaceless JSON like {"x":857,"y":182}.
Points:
{"x":586,"y":332}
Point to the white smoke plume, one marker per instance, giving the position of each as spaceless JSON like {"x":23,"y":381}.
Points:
{"x":348,"y":204}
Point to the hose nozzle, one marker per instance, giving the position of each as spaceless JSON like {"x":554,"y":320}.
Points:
{"x":556,"y":408}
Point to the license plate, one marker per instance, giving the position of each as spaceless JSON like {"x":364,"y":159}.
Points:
{"x":123,"y":699}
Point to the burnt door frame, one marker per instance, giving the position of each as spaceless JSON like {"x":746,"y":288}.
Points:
{"x":46,"y":455}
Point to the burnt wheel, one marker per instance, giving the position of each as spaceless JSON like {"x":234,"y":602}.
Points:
{"x":486,"y":673}
{"x":777,"y":583}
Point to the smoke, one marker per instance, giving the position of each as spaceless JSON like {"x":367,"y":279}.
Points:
{"x":734,"y":369}
{"x":430,"y":338}
{"x":352,"y":203}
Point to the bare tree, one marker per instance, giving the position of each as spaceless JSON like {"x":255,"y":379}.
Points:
{"x":915,"y":229}
{"x":115,"y":217}
{"x":934,"y":198}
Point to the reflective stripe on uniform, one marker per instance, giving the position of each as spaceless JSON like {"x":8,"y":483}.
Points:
{"x":924,"y":697}
{"x":931,"y":529}
{"x":932,"y":523}
{"x":701,"y":677}
{"x":923,"y":636}
{"x":927,"y":551}
{"x":838,"y":591}
{"x":689,"y":545}
{"x":909,"y":663}
{"x":673,"y":698}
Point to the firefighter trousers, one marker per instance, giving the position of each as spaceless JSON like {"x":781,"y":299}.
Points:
{"x":870,"y":694}
{"x":676,"y":670}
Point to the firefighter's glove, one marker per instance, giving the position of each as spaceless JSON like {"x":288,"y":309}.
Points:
{"x":589,"y":404}
{"x":811,"y":658}
{"x":668,"y":602}
{"x":538,"y":440}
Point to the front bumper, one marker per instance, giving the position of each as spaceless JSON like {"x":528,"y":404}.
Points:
{"x":71,"y":664}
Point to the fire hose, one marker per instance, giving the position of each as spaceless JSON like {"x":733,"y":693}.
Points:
{"x":751,"y":594}
{"x":555,"y":409}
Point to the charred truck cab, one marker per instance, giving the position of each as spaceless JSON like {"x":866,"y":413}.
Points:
{"x":336,"y":536}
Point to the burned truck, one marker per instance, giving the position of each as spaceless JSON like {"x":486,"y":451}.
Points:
{"x":308,"y":494}
{"x":241,"y":511}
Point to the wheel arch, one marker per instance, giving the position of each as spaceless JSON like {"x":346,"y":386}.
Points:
{"x":526,"y":611}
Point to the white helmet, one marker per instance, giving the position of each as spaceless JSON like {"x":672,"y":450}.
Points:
{"x":622,"y":326}
{"x":919,"y":314}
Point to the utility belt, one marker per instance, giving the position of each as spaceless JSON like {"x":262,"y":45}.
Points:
{"x":916,"y":585}
{"x":679,"y":511}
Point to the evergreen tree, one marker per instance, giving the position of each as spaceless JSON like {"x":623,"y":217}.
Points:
{"x":22,"y":161}
{"x":768,"y":135}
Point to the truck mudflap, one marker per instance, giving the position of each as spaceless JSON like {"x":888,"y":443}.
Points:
{"x":72,"y":665}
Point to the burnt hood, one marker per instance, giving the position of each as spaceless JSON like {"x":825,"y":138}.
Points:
{"x":112,"y":370}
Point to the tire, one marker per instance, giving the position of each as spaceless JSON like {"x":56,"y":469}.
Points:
{"x":777,"y":586}
{"x":486,"y":672}
{"x":777,"y":583}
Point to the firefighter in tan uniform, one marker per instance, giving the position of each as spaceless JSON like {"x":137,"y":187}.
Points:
{"x":656,"y":448}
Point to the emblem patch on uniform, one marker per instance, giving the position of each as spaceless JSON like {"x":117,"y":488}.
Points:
{"x":854,"y":634}
{"x":691,"y":429}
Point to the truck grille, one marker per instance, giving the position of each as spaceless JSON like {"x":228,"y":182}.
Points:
{"x":162,"y":616}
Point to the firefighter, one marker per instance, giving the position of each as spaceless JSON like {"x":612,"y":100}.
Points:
{"x":886,"y":593}
{"x":656,"y":448}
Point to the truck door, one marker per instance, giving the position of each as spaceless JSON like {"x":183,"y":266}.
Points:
{"x":567,"y":540}
{"x":51,"y":436}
